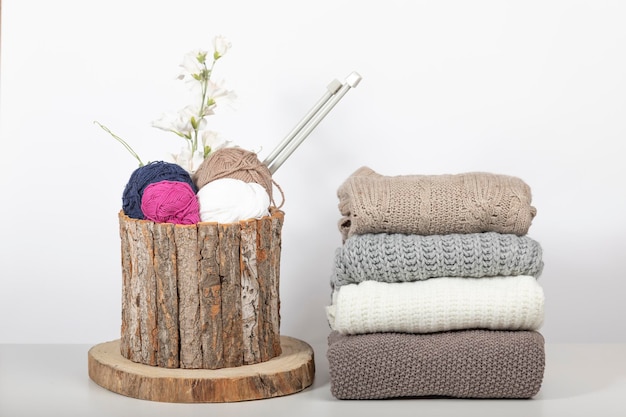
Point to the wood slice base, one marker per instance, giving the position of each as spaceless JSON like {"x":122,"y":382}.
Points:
{"x":288,"y":373}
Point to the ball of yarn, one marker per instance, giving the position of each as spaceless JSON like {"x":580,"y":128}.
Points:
{"x":146,"y":175}
{"x":236,"y":163}
{"x":229,"y":200}
{"x":170,"y":202}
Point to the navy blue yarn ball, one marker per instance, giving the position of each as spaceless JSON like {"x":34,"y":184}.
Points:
{"x":146,"y":175}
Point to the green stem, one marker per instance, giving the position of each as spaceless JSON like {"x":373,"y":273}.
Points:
{"x":122,"y":141}
{"x":205,"y":86}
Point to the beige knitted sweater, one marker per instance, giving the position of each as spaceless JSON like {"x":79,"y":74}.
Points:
{"x":472,"y":202}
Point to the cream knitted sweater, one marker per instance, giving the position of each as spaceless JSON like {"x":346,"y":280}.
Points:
{"x":438,"y":304}
{"x":434,"y":204}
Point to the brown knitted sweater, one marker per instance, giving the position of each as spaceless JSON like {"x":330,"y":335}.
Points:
{"x":473,"y":202}
{"x":460,"y":364}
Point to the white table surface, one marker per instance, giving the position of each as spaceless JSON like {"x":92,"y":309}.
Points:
{"x":52,"y":380}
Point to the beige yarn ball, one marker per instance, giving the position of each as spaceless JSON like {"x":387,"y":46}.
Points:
{"x":237,"y":163}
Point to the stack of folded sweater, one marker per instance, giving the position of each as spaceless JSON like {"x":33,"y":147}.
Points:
{"x":434,"y":289}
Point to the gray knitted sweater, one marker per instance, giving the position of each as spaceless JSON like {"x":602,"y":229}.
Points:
{"x":400,"y":258}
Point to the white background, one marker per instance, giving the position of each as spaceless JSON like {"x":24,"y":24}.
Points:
{"x":534,"y":89}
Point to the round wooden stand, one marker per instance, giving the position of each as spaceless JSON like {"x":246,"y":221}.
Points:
{"x":288,"y":373}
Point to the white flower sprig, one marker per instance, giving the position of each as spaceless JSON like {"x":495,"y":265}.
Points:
{"x":190,"y":122}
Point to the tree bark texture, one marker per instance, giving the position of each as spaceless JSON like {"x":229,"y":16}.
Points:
{"x":201,"y":296}
{"x":290,"y":372}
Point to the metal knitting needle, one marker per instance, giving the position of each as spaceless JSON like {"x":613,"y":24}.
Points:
{"x":310,"y":121}
{"x":331,"y":89}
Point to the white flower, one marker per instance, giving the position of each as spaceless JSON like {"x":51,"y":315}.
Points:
{"x":221,"y":45}
{"x":181,"y":122}
{"x":218,"y":94}
{"x":214,"y":141}
{"x":187,"y":161}
{"x":165,"y":122}
{"x":193,"y":65}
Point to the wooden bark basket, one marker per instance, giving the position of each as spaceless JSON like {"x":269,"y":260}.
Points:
{"x":201,"y":296}
{"x":202,"y":301}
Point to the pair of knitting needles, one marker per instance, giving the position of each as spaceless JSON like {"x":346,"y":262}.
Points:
{"x":334,"y":92}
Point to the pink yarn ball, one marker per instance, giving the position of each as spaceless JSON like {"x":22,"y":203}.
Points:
{"x":170,"y":202}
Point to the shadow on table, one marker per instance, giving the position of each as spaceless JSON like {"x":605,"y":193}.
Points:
{"x":575,"y":370}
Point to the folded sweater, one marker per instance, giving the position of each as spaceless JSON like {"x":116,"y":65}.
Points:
{"x":461,"y":364}
{"x":434,"y":204}
{"x":438,"y":304}
{"x":398,"y":257}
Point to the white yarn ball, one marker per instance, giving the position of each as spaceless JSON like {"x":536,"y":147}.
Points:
{"x":228,"y":200}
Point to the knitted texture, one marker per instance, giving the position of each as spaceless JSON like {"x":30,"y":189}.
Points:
{"x":434,"y":204}
{"x":399,"y":258}
{"x":170,"y":202}
{"x":236,"y":163}
{"x":149,"y":174}
{"x":228,"y":200}
{"x":438,"y":304}
{"x":461,"y":364}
